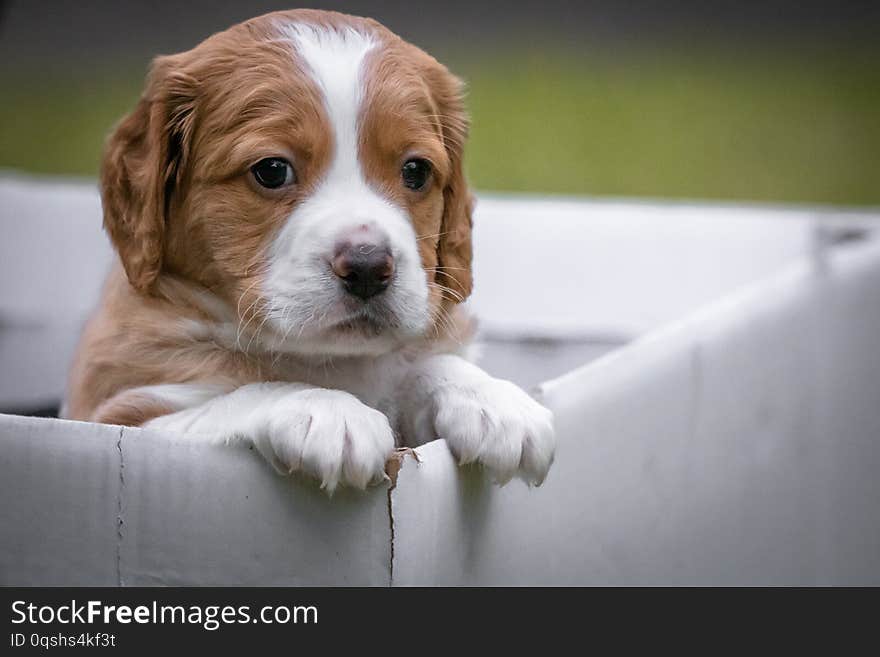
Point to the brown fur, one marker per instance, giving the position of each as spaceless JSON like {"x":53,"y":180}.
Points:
{"x":186,"y":219}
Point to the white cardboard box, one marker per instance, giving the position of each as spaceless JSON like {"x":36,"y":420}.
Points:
{"x":734,"y":440}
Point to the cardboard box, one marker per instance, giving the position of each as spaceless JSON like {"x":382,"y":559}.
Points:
{"x":729,"y":435}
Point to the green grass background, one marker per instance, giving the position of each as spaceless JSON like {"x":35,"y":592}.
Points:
{"x":790,"y":124}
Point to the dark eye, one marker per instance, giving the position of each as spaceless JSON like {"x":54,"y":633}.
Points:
{"x":415,"y":173}
{"x":273,"y":172}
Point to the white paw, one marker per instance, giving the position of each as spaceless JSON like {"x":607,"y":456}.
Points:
{"x":329,"y":435}
{"x":495,"y":423}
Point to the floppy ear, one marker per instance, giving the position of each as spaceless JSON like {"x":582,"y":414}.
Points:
{"x":142,"y":164}
{"x":454,"y":245}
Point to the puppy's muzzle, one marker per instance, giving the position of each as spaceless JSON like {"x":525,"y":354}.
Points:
{"x":363,"y":265}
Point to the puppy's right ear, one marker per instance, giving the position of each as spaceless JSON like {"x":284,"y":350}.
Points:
{"x":142,"y":166}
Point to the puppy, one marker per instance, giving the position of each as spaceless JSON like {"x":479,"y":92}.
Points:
{"x":293,"y":228}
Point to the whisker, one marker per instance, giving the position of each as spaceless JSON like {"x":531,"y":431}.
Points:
{"x":451,"y":277}
{"x":448,"y":290}
{"x":426,"y":237}
{"x":442,"y":320}
{"x":444,"y":288}
{"x":285,"y":319}
{"x":238,"y":312}
{"x":252,"y":309}
{"x":266,"y":316}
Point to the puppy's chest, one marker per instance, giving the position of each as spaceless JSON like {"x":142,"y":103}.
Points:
{"x":373,"y":380}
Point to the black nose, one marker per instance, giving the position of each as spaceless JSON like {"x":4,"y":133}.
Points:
{"x":364,"y":268}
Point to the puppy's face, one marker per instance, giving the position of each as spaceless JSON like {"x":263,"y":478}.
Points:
{"x":306,"y":168}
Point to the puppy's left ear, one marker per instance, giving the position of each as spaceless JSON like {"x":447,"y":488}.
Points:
{"x":454,"y":252}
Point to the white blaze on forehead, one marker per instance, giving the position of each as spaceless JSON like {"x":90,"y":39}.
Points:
{"x":334,"y":58}
{"x":304,"y":296}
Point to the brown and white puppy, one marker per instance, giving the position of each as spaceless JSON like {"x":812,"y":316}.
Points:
{"x":293,"y":228}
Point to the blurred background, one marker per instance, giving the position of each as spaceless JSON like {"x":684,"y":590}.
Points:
{"x":768,"y":101}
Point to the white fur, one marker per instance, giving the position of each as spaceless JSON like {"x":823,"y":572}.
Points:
{"x":306,"y":300}
{"x":483,"y":419}
{"x":338,"y":436}
{"x":181,"y":396}
{"x":326,"y":434}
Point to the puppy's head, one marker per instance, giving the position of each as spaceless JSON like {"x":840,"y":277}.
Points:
{"x":306,"y":167}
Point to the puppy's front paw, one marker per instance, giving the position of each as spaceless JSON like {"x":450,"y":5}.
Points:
{"x":495,"y":423}
{"x":329,"y":435}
